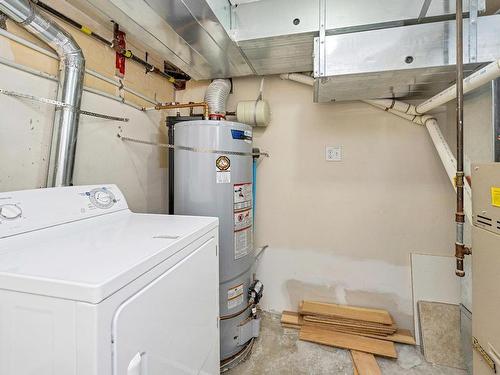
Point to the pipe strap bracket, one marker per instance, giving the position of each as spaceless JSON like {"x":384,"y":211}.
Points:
{"x":60,"y":105}
{"x":192,"y":149}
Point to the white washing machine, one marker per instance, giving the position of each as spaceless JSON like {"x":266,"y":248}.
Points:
{"x":87,"y":287}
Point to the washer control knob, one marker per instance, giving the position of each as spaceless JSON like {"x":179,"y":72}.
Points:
{"x":102,"y":198}
{"x":10,"y":212}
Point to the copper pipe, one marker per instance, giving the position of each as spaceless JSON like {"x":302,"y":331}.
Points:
{"x":460,"y":249}
{"x":184,"y":105}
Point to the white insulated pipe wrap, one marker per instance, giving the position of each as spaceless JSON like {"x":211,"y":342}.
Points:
{"x":297,"y":77}
{"x":216,"y":96}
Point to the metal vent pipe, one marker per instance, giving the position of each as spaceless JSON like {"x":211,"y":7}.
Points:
{"x":71,"y":74}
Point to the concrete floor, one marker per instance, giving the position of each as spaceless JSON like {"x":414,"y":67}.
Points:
{"x":278,"y":351}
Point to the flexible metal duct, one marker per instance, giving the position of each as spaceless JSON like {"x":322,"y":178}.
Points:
{"x":216,"y":97}
{"x":71,"y":73}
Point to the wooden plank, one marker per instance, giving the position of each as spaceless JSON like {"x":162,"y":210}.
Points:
{"x":382,"y":329}
{"x":327,"y":319}
{"x":341,"y":328}
{"x":402,"y":336}
{"x":344,"y":311}
{"x":291,"y":326}
{"x":355,"y":370}
{"x":397,"y":337}
{"x":365,"y":363}
{"x":348,"y":341}
{"x":291,"y":317}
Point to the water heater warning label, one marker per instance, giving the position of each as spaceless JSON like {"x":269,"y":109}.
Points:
{"x":235,"y":296}
{"x":223,"y":170}
{"x":242,"y":243}
{"x":242,"y":196}
{"x":243,"y":220}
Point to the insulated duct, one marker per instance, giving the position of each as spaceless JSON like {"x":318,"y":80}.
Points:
{"x":216,"y":98}
{"x":71,"y":73}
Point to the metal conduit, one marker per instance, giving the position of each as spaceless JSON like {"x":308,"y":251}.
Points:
{"x":460,"y":249}
{"x":71,"y":73}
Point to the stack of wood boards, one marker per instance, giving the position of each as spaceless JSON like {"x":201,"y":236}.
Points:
{"x":366,"y":332}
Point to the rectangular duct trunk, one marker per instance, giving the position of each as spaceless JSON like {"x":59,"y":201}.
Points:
{"x":411,"y":61}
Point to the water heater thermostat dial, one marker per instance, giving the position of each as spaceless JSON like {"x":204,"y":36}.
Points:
{"x":10,"y":211}
{"x":102,"y":198}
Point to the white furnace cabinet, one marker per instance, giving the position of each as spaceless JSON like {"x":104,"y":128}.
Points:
{"x":89,"y":288}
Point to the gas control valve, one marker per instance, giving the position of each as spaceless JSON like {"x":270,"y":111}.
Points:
{"x":255,"y":292}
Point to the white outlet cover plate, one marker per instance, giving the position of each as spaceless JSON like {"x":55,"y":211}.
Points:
{"x":333,"y":153}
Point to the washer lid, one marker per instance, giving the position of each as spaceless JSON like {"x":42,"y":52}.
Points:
{"x":89,"y":260}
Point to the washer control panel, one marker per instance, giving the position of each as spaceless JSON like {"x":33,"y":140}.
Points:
{"x":10,"y":211}
{"x":101,"y":197}
{"x":28,"y":210}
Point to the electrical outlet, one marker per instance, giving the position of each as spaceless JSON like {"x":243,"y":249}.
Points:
{"x":333,"y":153}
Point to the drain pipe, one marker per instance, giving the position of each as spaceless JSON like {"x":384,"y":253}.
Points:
{"x":443,"y":149}
{"x":460,"y":249}
{"x":71,"y":73}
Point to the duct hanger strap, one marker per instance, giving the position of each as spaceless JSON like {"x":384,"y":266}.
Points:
{"x":59,"y":104}
{"x":192,"y":149}
{"x":103,"y":116}
{"x":53,"y":102}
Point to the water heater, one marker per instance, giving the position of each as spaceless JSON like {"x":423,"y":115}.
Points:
{"x":213,"y":177}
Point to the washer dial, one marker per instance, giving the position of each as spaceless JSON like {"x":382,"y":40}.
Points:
{"x":102,"y":198}
{"x":10,"y":212}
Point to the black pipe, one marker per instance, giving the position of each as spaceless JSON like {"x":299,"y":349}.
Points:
{"x":171,"y":75}
{"x":151,"y":68}
{"x":73,"y":23}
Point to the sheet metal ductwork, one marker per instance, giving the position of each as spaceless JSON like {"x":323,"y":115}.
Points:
{"x":71,"y":73}
{"x":360,"y":49}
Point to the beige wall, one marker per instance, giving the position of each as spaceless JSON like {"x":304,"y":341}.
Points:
{"x":343,"y":231}
{"x":140,"y":171}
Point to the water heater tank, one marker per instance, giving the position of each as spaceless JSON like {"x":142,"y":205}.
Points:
{"x":209,"y":182}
